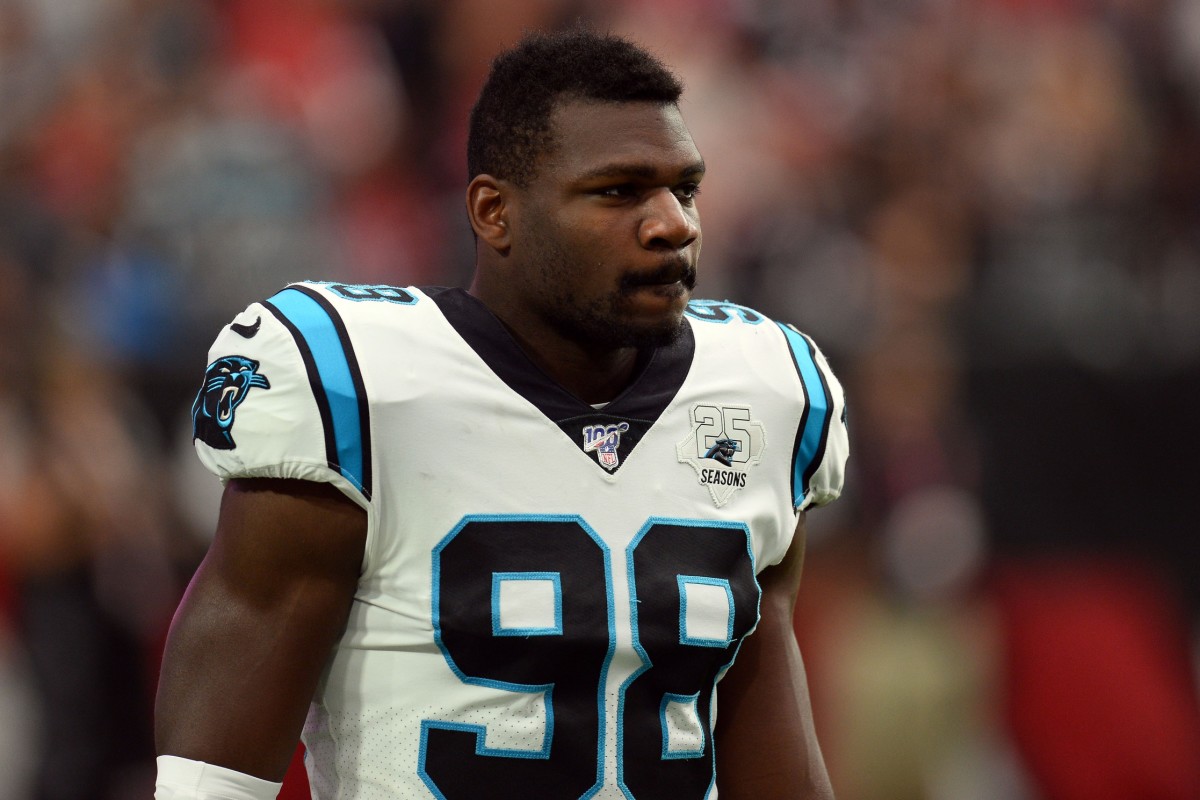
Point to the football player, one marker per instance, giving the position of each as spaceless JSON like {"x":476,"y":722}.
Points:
{"x":541,"y":538}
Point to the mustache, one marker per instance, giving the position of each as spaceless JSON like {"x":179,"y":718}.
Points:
{"x":670,"y":272}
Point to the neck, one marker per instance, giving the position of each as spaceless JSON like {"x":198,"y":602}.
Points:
{"x":593,"y":374}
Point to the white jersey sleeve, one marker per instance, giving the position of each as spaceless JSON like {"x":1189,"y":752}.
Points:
{"x":822,"y":440}
{"x":274,"y":406}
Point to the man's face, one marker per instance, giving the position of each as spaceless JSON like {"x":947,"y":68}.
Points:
{"x":607,"y":234}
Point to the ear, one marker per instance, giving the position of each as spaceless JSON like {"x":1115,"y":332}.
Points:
{"x":489,"y":208}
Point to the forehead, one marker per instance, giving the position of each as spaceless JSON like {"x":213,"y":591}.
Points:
{"x":591,"y":136}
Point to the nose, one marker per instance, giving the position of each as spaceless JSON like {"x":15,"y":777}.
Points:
{"x":667,"y":224}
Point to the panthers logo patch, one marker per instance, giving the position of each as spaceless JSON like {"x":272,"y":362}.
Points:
{"x":226,"y":384}
{"x":724,"y":445}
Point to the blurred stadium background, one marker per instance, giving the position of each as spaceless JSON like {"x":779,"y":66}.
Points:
{"x":986,"y":211}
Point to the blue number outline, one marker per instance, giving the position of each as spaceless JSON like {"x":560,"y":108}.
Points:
{"x":637,"y":643}
{"x":701,"y":580}
{"x":689,"y":699}
{"x":499,"y":578}
{"x":480,"y":731}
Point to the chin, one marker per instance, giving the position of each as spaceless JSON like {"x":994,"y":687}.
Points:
{"x":619,"y":324}
{"x":666,"y":332}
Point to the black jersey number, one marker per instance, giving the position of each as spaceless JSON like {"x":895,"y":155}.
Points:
{"x":525,"y":604}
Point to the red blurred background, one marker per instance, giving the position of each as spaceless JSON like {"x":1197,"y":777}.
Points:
{"x":985,"y":211}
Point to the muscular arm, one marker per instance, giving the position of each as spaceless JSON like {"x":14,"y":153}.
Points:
{"x":766,"y":745}
{"x":257,"y":624}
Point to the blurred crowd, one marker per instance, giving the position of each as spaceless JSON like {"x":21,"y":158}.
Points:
{"x":987,"y":212}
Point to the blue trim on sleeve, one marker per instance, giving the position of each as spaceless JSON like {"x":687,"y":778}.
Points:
{"x":818,"y":408}
{"x":320,"y":332}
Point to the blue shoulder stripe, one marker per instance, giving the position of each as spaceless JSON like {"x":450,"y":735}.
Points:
{"x":335,"y":377}
{"x":813,"y":430}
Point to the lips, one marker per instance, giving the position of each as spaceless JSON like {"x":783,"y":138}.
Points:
{"x":669,"y":274}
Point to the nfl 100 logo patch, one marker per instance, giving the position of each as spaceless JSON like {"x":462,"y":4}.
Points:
{"x":604,"y":440}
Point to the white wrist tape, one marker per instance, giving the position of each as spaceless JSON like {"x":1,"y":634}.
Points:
{"x":184,"y":779}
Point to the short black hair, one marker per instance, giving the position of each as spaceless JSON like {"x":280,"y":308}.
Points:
{"x":510,"y":123}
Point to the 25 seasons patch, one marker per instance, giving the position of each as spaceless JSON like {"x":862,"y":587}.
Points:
{"x":725,"y":442}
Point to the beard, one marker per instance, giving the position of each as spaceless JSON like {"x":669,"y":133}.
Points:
{"x":598,"y":325}
{"x":606,"y":322}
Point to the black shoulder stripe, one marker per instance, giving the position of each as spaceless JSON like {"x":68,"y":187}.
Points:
{"x":812,"y":432}
{"x":335,"y":377}
{"x":314,"y":380}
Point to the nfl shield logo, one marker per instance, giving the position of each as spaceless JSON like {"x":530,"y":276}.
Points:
{"x":604,"y":440}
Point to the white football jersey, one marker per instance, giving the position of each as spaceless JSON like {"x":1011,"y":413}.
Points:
{"x":550,"y":591}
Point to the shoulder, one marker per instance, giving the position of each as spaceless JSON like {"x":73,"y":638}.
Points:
{"x":742,"y":344}
{"x":306,"y":298}
{"x":326,"y":314}
{"x":727,"y":319}
{"x":284,"y":395}
{"x":786,"y":364}
{"x":750,"y":335}
{"x":724,"y":313}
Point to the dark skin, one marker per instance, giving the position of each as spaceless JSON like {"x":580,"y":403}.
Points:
{"x":257,"y":624}
{"x":610,"y":215}
{"x":766,"y":742}
{"x":614,"y":202}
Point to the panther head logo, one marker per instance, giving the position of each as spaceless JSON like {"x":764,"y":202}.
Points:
{"x":226,"y":383}
{"x":723,"y":450}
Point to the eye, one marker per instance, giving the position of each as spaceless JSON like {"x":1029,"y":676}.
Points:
{"x":687,"y":192}
{"x":619,"y":190}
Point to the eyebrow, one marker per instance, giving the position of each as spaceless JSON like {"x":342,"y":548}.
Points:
{"x":638,"y":170}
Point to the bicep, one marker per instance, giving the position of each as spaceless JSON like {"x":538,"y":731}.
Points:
{"x":253,"y":632}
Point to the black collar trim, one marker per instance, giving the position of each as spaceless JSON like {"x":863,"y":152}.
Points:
{"x":660,"y":373}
